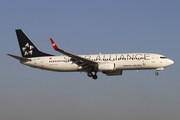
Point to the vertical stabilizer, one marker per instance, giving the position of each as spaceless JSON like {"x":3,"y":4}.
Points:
{"x":28,"y":49}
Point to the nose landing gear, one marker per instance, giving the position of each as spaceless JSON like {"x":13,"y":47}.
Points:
{"x":156,"y":73}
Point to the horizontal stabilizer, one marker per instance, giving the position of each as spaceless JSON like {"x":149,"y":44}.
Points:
{"x":20,"y":58}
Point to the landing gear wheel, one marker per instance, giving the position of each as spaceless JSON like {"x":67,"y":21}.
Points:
{"x":156,"y":73}
{"x":95,"y":77}
{"x":89,"y":74}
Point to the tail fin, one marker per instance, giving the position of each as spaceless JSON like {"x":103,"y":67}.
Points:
{"x":28,"y":49}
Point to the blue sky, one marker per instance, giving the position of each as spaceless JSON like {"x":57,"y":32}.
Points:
{"x":90,"y":27}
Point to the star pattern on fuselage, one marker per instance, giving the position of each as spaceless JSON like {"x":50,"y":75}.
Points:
{"x":27,"y":49}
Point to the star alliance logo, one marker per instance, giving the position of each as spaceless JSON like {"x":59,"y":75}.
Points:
{"x":27,"y":49}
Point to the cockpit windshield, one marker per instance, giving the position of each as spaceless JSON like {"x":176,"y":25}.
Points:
{"x":163,"y":57}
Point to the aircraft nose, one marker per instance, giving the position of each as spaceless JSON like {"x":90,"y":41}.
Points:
{"x":171,"y":62}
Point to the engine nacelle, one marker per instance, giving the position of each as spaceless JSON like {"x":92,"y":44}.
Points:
{"x":112,"y":73}
{"x":106,"y":67}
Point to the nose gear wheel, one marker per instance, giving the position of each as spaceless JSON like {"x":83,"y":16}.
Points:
{"x":156,"y":73}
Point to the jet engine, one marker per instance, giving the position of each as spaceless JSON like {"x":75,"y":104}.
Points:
{"x":106,"y":67}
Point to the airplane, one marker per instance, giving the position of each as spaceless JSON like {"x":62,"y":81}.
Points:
{"x":109,"y":64}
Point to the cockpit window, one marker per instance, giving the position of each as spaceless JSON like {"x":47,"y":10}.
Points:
{"x":163,"y":57}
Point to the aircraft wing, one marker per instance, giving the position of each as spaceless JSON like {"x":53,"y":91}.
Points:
{"x":75,"y":58}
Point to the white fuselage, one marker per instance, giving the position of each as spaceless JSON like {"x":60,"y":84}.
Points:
{"x":131,"y":61}
{"x":109,"y":64}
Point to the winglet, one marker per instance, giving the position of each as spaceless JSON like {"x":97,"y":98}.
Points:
{"x":54,"y":44}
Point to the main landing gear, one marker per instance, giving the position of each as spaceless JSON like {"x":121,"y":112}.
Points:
{"x":156,"y":73}
{"x":90,"y":74}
